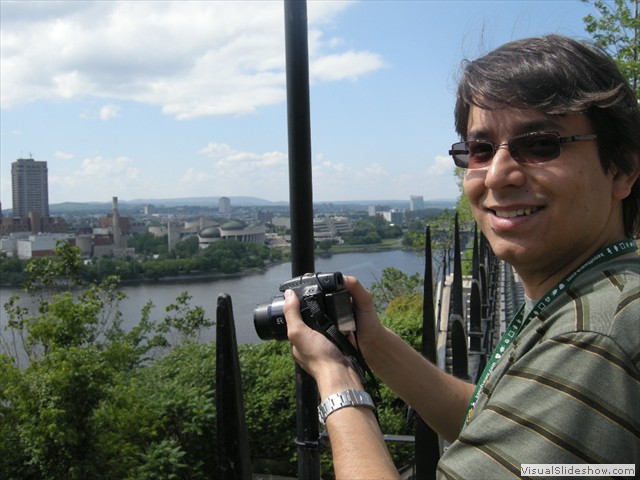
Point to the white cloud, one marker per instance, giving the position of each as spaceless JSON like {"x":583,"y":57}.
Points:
{"x":120,"y":167}
{"x":441,"y":166}
{"x":326,"y":168}
{"x":191,"y":177}
{"x":377,"y":170}
{"x":241,"y":172}
{"x":228,"y":160}
{"x":105,"y":113}
{"x":108,"y":112}
{"x":216,"y":150}
{"x":347,"y":65}
{"x":96,"y":169}
{"x":192,"y":59}
{"x":104,"y":177}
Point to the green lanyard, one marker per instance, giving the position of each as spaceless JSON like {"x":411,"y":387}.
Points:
{"x":519,"y":321}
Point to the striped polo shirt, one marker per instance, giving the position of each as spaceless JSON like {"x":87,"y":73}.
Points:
{"x":567,"y":391}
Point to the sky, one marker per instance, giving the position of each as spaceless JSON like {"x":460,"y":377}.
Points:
{"x":160,"y":99}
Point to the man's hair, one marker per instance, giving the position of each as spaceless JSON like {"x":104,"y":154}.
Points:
{"x":557,"y":75}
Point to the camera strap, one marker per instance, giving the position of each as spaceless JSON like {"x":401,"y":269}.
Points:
{"x":328,"y":328}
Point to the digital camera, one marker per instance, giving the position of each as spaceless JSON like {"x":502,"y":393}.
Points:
{"x":324,"y":301}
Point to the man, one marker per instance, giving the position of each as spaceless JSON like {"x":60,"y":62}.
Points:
{"x":552,"y":156}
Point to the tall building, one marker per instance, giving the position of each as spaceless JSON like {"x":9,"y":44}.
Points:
{"x":224,"y":205}
{"x":30,"y":188}
{"x":117,"y":231}
{"x":416,"y":202}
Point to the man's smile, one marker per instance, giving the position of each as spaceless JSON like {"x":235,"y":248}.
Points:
{"x":520,"y":212}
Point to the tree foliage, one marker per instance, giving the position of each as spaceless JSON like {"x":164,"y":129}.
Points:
{"x":371,"y":230}
{"x":615,"y":28}
{"x":75,"y":357}
{"x":12,"y":270}
{"x":393,"y":284}
{"x":463,"y":207}
{"x":148,"y":243}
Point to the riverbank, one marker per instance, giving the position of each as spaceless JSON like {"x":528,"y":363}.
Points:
{"x":197,"y":276}
{"x":384,"y":246}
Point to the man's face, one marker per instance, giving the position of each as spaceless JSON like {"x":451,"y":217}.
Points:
{"x":547,"y":217}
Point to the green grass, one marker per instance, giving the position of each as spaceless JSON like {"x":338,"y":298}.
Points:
{"x":386,"y":244}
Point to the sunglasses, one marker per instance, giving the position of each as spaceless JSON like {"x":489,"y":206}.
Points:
{"x":535,"y":147}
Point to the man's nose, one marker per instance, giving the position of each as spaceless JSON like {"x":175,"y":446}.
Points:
{"x":504,"y":170}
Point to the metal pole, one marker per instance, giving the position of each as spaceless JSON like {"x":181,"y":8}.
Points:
{"x":427,"y":447}
{"x":234,"y":459}
{"x":301,"y":207}
{"x":428,"y":311}
{"x":455,"y":307}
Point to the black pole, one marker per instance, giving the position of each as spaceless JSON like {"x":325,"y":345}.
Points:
{"x":428,"y":312}
{"x":234,"y":459}
{"x":301,"y":207}
{"x":427,"y":447}
{"x":456,"y":329}
{"x":455,"y":306}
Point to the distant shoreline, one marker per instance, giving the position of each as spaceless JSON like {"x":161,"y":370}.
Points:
{"x":199,"y":276}
{"x":215,"y":275}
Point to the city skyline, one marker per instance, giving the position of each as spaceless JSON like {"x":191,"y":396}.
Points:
{"x":187,"y":99}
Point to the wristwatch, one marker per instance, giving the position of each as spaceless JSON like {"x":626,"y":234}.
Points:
{"x":346,"y":398}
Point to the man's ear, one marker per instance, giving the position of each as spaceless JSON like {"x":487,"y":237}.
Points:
{"x":623,"y":182}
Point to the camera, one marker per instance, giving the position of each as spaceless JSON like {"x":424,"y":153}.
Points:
{"x":324,"y":302}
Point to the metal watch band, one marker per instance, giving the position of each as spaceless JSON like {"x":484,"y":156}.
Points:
{"x":346,"y":398}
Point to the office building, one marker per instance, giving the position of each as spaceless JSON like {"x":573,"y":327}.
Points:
{"x":416,"y":202}
{"x":224,"y":205}
{"x":30,"y":188}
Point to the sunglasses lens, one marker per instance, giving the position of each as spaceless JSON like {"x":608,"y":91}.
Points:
{"x":475,"y":154}
{"x":529,"y":148}
{"x":537,"y":148}
{"x":480,"y":154}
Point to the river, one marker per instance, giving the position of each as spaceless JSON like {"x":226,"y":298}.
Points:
{"x":247,"y":290}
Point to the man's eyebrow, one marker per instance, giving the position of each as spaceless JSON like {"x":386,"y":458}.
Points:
{"x":537,"y":125}
{"x":477,"y":135}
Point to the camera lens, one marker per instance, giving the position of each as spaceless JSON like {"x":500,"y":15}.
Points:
{"x":269,"y":321}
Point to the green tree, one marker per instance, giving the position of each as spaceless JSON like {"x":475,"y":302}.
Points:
{"x":615,"y":28}
{"x":159,"y":423}
{"x":403,"y":315}
{"x":12,"y":270}
{"x":184,"y":320}
{"x":268,"y":380}
{"x":325,"y":245}
{"x":463,"y":207}
{"x":77,"y":352}
{"x":62,"y":270}
{"x":187,"y":248}
{"x":394,"y":283}
{"x":148,"y":244}
{"x":442,"y":229}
